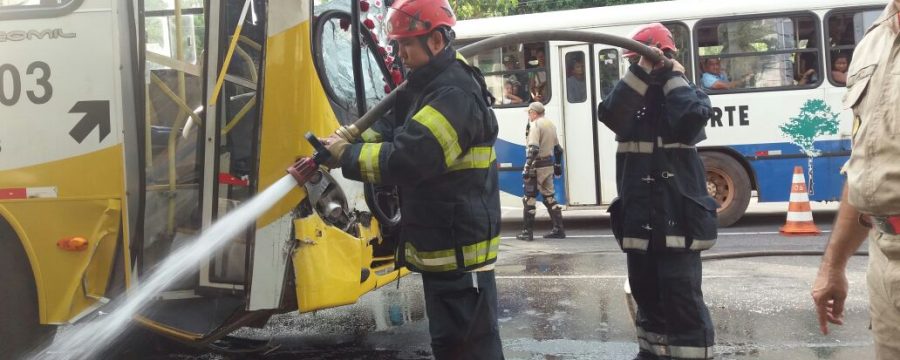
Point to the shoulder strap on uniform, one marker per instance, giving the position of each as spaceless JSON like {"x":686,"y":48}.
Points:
{"x":488,"y":98}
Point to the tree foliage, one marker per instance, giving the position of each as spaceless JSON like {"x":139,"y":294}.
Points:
{"x":473,"y":9}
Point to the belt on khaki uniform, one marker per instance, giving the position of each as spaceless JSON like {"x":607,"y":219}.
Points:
{"x":887,"y":224}
{"x":543,"y":162}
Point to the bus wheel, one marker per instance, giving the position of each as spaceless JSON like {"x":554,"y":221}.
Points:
{"x":728,"y":183}
{"x":20,"y":327}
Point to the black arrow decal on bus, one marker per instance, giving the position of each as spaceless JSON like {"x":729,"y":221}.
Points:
{"x":96,"y":114}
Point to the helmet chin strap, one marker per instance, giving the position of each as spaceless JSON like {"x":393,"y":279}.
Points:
{"x":424,"y":41}
{"x":446,"y":33}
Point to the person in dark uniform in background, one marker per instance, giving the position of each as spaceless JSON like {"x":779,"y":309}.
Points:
{"x":664,"y":215}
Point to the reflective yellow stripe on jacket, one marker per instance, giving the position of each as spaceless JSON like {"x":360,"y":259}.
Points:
{"x":369,"y":167}
{"x":476,"y":158}
{"x":442,"y":130}
{"x":445,"y":260}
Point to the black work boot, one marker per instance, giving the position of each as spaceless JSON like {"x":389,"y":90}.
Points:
{"x":527,"y":233}
{"x":557,"y":232}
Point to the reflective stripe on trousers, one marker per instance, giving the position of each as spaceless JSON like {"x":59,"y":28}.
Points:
{"x":445,"y":260}
{"x":658,"y":344}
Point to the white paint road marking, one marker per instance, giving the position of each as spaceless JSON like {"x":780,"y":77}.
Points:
{"x":601,"y":276}
{"x":720,"y":234}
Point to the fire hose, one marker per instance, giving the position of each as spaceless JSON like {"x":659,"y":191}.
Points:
{"x":303,"y":169}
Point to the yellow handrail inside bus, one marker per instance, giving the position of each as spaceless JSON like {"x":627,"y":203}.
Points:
{"x":234,"y":40}
{"x":251,"y":65}
{"x":239,"y":116}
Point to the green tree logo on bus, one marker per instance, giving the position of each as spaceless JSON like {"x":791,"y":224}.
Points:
{"x":815,"y":119}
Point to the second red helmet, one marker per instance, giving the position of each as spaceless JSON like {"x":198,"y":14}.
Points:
{"x":653,"y":35}
{"x":412,"y":18}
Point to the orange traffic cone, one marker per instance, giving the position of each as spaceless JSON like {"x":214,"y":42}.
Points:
{"x":799,"y":216}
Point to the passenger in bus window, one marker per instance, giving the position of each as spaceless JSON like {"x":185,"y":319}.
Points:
{"x":576,"y":87}
{"x":663,"y":215}
{"x":511,"y":63}
{"x":839,"y":65}
{"x":806,"y":69}
{"x":537,"y":85}
{"x":714,"y":78}
{"x":509,"y":93}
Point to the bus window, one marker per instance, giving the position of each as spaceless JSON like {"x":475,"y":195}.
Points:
{"x":608,"y":71}
{"x":576,"y":86}
{"x":335,"y":61}
{"x":29,"y":9}
{"x":845,"y":29}
{"x":33,"y":4}
{"x":777,"y":52}
{"x":516,"y":75}
{"x":682,"y":36}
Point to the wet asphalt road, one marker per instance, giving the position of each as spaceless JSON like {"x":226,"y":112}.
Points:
{"x":564,"y":299}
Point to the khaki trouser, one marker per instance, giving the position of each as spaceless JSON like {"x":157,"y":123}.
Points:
{"x":545,"y":180}
{"x":883,"y":279}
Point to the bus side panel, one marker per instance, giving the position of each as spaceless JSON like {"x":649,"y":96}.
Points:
{"x":69,"y":203}
{"x":775,"y":173}
{"x":294,"y":103}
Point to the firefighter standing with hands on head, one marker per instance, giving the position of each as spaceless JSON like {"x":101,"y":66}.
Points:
{"x":870,"y":204}
{"x":543,"y":161}
{"x":436,"y":146}
{"x":664,"y":215}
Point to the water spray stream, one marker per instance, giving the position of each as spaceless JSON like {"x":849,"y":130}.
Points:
{"x":87,"y":340}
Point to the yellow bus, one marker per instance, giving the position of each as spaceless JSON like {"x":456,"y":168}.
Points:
{"x":127,"y":127}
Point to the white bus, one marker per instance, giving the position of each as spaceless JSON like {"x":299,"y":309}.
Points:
{"x":769,"y":121}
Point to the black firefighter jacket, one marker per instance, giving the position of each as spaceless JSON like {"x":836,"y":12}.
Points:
{"x":663,"y":204}
{"x":437,"y":147}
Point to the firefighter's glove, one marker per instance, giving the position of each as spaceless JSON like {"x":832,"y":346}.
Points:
{"x":557,"y":170}
{"x":665,"y":74}
{"x":336,"y":146}
{"x":648,"y":65}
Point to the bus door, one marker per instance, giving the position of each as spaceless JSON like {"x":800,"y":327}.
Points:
{"x":607,"y":70}
{"x":199,"y":155}
{"x":578,"y":126}
{"x":589,"y":74}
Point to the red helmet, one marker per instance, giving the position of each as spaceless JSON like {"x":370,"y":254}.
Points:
{"x":412,"y":18}
{"x":654,"y":35}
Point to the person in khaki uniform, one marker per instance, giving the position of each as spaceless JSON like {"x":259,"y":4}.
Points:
{"x":542,"y":146}
{"x":870,"y":204}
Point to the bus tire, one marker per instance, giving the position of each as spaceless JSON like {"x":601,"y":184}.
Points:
{"x":727,"y":181}
{"x":20,"y":327}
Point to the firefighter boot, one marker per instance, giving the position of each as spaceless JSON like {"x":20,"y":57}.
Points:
{"x":527,"y":233}
{"x":555,"y":216}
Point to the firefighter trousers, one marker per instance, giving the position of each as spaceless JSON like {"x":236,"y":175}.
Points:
{"x":462,"y":316}
{"x":672,"y":321}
